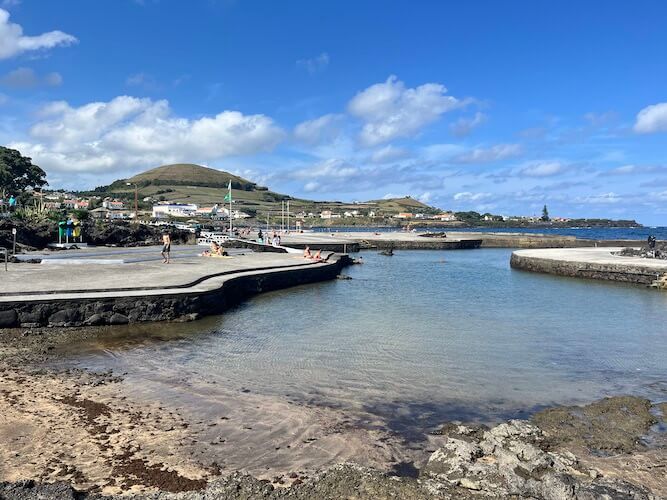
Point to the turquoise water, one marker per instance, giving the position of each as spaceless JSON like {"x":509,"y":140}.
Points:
{"x":417,"y":338}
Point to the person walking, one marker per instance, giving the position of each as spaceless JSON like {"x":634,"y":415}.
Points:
{"x":166,"y":247}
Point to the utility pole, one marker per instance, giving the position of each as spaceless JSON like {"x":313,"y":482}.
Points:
{"x":288,"y":216}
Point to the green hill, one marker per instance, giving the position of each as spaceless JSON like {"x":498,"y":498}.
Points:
{"x":189,"y":183}
{"x":405,"y":204}
{"x":188,"y":174}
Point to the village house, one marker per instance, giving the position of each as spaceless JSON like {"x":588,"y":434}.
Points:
{"x":113,"y":205}
{"x":105,"y":213}
{"x":165,"y":210}
{"x":404,"y":215}
{"x":207,"y":211}
{"x":444,"y":217}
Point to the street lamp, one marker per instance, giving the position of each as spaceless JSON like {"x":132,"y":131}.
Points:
{"x":136,"y":201}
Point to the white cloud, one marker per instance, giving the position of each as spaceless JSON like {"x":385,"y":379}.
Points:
{"x":439,"y":152}
{"x":468,"y":196}
{"x":652,"y":119}
{"x":140,"y":79}
{"x":463,"y":126}
{"x":324,"y":128}
{"x":603,"y":198}
{"x":659,"y":196}
{"x":332,"y":168}
{"x":601,"y":119}
{"x":130,"y":132}
{"x":542,"y":169}
{"x":391,"y":111}
{"x":487,"y":155}
{"x":27,"y":78}
{"x":323,"y":176}
{"x":633,"y":170}
{"x":13,"y":42}
{"x":425,"y":197}
{"x":388,"y":154}
{"x":315,"y":64}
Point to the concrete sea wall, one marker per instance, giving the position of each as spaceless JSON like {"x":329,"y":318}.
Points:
{"x":181,"y":306}
{"x":421,"y":244}
{"x":626,"y":273}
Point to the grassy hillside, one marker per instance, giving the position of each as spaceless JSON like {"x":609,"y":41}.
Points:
{"x":188,"y":183}
{"x":187,"y":174}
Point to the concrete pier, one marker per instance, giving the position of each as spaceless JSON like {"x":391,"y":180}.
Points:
{"x":349,"y":241}
{"x":592,"y":263}
{"x":354,"y":241}
{"x":117,"y":286}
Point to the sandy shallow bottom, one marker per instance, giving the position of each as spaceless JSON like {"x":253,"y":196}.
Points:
{"x":103,"y":434}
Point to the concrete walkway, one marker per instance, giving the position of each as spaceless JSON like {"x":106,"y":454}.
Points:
{"x":123,"y":272}
{"x":594,"y":263}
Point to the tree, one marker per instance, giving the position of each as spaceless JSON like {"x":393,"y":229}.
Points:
{"x":545,"y":214}
{"x":17,"y":173}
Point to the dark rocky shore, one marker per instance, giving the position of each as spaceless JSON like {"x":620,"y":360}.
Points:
{"x":37,"y":235}
{"x":613,"y":448}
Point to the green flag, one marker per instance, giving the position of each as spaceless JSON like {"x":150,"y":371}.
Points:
{"x":228,"y":196}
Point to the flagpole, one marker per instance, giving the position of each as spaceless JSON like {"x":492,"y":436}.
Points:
{"x":230,"y":210}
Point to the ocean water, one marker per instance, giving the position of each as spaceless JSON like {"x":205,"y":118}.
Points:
{"x":414,"y":339}
{"x":590,"y":233}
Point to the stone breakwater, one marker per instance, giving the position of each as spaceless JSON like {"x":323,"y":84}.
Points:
{"x":129,"y":305}
{"x":591,"y":263}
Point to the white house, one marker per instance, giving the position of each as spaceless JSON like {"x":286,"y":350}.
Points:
{"x":207,"y":211}
{"x":444,"y":217}
{"x":174,"y":210}
{"x":113,"y":205}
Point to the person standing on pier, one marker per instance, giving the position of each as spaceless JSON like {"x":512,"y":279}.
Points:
{"x":166,"y":247}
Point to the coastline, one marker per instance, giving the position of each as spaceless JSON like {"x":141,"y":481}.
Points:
{"x":91,"y":434}
{"x":102,"y":295}
{"x":96,"y":433}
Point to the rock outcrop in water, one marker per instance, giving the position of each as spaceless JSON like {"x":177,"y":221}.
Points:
{"x":512,"y":460}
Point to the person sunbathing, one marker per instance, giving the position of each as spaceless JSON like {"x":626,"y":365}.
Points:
{"x":216,"y":250}
{"x":307,"y":254}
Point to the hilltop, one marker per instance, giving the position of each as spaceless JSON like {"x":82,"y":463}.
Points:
{"x":190,"y":183}
{"x":204,"y":186}
{"x":188,"y":174}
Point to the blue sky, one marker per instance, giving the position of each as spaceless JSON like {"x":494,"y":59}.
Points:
{"x":480,"y":105}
